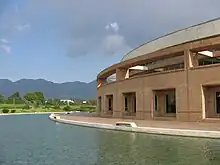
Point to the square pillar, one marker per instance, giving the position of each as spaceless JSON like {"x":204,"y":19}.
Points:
{"x":148,"y":104}
{"x":161,"y":104}
{"x":100,"y":82}
{"x":140,"y":104}
{"x":182,"y":103}
{"x":190,"y":59}
{"x":99,"y":105}
{"x":121,"y":74}
{"x":118,"y":105}
{"x":102,"y":105}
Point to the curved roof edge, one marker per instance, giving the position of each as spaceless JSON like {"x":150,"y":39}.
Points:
{"x":190,"y":33}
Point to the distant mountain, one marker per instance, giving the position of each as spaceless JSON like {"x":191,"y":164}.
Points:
{"x":51,"y":90}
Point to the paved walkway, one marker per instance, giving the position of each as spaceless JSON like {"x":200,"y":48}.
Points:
{"x":209,"y":126}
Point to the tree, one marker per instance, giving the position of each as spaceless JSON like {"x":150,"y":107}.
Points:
{"x":16,"y":95}
{"x":30,"y":96}
{"x":1,"y":98}
{"x":49,"y":102}
{"x":15,"y":99}
{"x":36,"y":98}
{"x":40,"y":97}
{"x":53,"y":102}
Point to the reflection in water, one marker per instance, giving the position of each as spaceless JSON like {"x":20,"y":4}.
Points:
{"x":57,"y":123}
{"x":154,"y":149}
{"x":132,"y":137}
{"x":211,"y":152}
{"x":39,"y":141}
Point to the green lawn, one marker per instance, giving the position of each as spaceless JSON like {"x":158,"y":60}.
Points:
{"x":19,"y":108}
{"x":12,"y":106}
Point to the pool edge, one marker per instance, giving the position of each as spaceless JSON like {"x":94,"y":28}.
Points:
{"x":146,"y":130}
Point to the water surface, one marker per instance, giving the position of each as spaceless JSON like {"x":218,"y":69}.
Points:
{"x":35,"y":140}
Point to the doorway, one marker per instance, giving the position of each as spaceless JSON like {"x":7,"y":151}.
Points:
{"x":217,"y":102}
{"x":130,"y":103}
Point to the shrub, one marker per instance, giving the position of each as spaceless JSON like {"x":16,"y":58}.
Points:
{"x":26,"y":107}
{"x":5,"y":110}
{"x":47,"y":106}
{"x":13,"y":111}
{"x":56,"y":107}
{"x":88,"y":107}
{"x":67,"y":108}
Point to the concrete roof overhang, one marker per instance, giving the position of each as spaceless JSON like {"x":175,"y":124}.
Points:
{"x":192,"y":33}
{"x":198,"y":38}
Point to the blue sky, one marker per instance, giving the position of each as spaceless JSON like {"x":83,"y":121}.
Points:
{"x":73,"y":40}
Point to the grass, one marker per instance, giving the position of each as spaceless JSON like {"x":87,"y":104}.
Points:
{"x":12,"y":106}
{"x":18,"y":108}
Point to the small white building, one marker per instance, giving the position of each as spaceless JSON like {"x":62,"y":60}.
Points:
{"x":84,"y":102}
{"x":67,"y":101}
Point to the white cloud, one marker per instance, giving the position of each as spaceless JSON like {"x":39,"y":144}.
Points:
{"x":107,"y":27}
{"x":113,"y":44}
{"x":2,"y":40}
{"x":23,"y":27}
{"x":6,"y":48}
{"x":114,"y":26}
{"x":129,"y":24}
{"x":5,"y":45}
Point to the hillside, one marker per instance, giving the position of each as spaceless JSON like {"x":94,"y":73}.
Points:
{"x":51,"y":90}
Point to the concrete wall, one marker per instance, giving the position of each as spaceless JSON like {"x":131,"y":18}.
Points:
{"x":189,"y":83}
{"x":189,"y":94}
{"x":143,"y":86}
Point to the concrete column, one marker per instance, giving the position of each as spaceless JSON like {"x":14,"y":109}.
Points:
{"x":190,"y":59}
{"x":182,"y":103}
{"x":99,"y":105}
{"x":147,"y":103}
{"x":100,"y":82}
{"x":195,"y":60}
{"x":161,"y":104}
{"x":140,"y":104}
{"x":102,"y":105}
{"x":118,"y":105}
{"x":106,"y":104}
{"x":204,"y":91}
{"x":121,"y":74}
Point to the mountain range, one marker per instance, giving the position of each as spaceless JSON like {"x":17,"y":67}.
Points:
{"x":67,"y":90}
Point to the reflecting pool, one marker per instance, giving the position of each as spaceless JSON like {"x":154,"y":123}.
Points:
{"x":35,"y":140}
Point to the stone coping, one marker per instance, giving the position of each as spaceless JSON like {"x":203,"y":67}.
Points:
{"x":147,"y":130}
{"x":29,"y":113}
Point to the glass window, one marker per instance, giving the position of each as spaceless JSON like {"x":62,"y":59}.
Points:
{"x":156,"y":103}
{"x":126,"y":103}
{"x":134,"y":104}
{"x":110,"y":104}
{"x":100,"y":103}
{"x":217,"y":97}
{"x":171,"y":103}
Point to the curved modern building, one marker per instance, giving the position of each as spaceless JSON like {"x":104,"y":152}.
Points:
{"x":176,"y":77}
